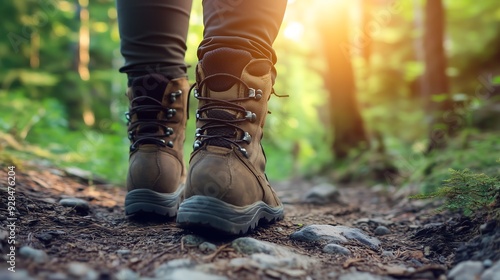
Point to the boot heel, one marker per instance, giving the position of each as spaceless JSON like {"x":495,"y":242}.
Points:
{"x":148,"y":201}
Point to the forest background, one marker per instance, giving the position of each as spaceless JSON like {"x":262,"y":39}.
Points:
{"x":392,"y":92}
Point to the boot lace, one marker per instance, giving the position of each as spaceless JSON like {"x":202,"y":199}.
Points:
{"x":223,"y":129}
{"x":148,"y":127}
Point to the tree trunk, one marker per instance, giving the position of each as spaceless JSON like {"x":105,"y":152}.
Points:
{"x":438,"y":103}
{"x":346,"y":123}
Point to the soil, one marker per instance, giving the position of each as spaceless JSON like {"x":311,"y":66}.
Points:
{"x":420,"y":239}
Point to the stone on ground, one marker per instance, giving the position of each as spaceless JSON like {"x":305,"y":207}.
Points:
{"x":334,"y":234}
{"x":382,"y":230}
{"x":38,"y":256}
{"x":322,"y":194}
{"x":78,"y":204}
{"x":335,"y":249}
{"x":466,"y":270}
{"x":492,"y":273}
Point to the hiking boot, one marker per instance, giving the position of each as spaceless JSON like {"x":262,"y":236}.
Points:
{"x":156,"y":129}
{"x":226,"y":188}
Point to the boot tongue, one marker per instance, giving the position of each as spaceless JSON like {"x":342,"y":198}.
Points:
{"x":226,"y":131}
{"x":227,"y":61}
{"x":153,"y":86}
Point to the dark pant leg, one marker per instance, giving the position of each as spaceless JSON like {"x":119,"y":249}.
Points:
{"x":250,"y":25}
{"x":153,"y":36}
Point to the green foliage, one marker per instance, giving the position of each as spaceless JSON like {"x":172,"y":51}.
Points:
{"x":467,"y":192}
{"x":42,"y":104}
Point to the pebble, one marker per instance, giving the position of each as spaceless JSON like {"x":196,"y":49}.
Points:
{"x":80,"y":205}
{"x":322,"y":194}
{"x":126,"y":274}
{"x":207,"y":247}
{"x":265,"y":261}
{"x":466,"y":270}
{"x":123,"y":251}
{"x":488,"y":227}
{"x":191,"y":240}
{"x":57,"y":276}
{"x":240,"y":262}
{"x":360,"y":276}
{"x":38,"y":256}
{"x":248,"y":246}
{"x":334,"y":234}
{"x":20,"y":274}
{"x":487,"y":263}
{"x":388,"y":254}
{"x":492,"y":273}
{"x":169,"y":266}
{"x":82,"y":271}
{"x":276,"y":254}
{"x":374,"y":221}
{"x":336,"y":250}
{"x":184,"y":273}
{"x":382,"y":230}
{"x":44,"y":237}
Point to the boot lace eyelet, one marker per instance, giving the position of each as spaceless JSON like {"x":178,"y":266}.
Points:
{"x":244,"y":152}
{"x":247,"y":138}
{"x":173,"y":96}
{"x":170,"y":144}
{"x":171,"y":113}
{"x":250,"y":116}
{"x":196,"y":144}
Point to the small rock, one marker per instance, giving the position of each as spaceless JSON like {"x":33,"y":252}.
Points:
{"x":267,"y":261}
{"x":334,"y":234}
{"x":184,"y":273}
{"x":167,"y":267}
{"x":492,"y":273}
{"x":466,"y":270}
{"x":20,"y":274}
{"x":57,"y":276}
{"x":36,"y":255}
{"x":251,"y":246}
{"x":207,"y":247}
{"x":81,"y":270}
{"x":123,"y":251}
{"x":382,"y":230}
{"x":78,"y":204}
{"x":442,"y":259}
{"x":374,"y":221}
{"x":360,"y":276}
{"x":126,"y":274}
{"x":239,"y":262}
{"x":272,"y":273}
{"x":3,"y":235}
{"x":248,"y":245}
{"x":44,"y":237}
{"x":487,"y":263}
{"x":47,"y":236}
{"x":191,"y":240}
{"x":488,"y":227}
{"x":294,"y":273}
{"x":336,"y":250}
{"x":427,"y":251}
{"x":388,"y":254}
{"x":416,"y":262}
{"x":323,"y":194}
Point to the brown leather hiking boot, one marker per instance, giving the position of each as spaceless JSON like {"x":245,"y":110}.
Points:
{"x":157,"y":122}
{"x":227,"y":189}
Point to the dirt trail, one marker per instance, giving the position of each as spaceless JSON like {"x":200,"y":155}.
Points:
{"x":103,"y":241}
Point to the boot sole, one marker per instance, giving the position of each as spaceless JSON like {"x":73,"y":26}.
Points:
{"x":145,"y":201}
{"x":208,"y":213}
